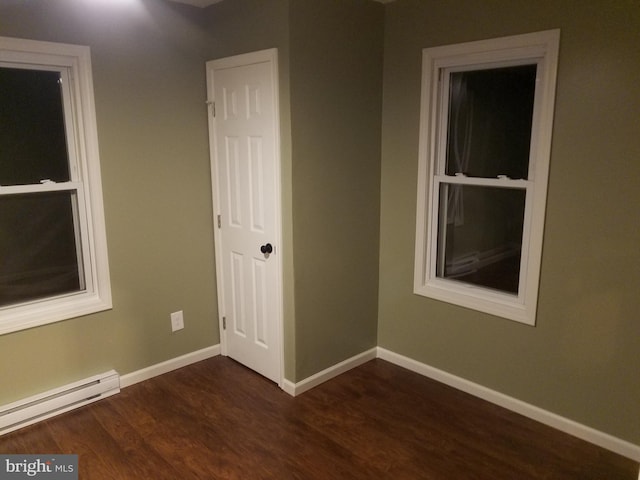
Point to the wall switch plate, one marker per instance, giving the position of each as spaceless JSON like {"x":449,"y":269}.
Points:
{"x":177,"y":321}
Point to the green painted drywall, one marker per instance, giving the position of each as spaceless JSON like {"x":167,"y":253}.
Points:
{"x":330,"y":69}
{"x":335,"y":75}
{"x":148,"y":66}
{"x":148,"y":72}
{"x":582,"y":359}
{"x":243,"y":26}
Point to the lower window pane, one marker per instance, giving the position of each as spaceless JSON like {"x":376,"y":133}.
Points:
{"x":39,"y":256}
{"x":480,"y":235}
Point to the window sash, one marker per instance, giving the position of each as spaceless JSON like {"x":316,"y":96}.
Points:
{"x":438,"y":167}
{"x":433,"y":259}
{"x":74,"y":186}
{"x":443,"y":91}
{"x":81,"y":234}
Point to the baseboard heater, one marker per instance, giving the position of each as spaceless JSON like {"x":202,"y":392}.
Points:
{"x":59,"y":400}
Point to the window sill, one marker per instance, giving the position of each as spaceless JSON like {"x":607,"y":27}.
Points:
{"x":14,"y":319}
{"x":477,"y":298}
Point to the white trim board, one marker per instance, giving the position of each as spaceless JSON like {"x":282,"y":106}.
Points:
{"x":563,"y":424}
{"x":545,"y":417}
{"x":168,"y":366}
{"x":571,"y":427}
{"x":308,"y":383}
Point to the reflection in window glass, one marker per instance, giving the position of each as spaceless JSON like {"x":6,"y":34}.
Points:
{"x":33,"y":143}
{"x":40,"y":256}
{"x":483,"y":247}
{"x":490,"y":116}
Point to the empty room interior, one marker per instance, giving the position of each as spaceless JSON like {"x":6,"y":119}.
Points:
{"x":369,"y":264}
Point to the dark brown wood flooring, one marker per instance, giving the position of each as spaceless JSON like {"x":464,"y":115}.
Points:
{"x":217,"y":420}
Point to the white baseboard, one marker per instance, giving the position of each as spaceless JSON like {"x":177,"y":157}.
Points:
{"x":558,"y":422}
{"x":308,"y":383}
{"x":563,"y":424}
{"x":290,"y":388}
{"x":169,"y":365}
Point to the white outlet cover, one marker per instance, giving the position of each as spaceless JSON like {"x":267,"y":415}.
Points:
{"x":177,"y":321}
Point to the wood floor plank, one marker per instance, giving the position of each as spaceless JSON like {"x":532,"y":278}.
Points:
{"x":139,"y":459}
{"x":78,"y":432}
{"x":36,"y":438}
{"x":218,"y":420}
{"x":256,"y":420}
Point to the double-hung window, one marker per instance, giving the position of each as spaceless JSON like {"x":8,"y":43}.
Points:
{"x":485,"y":138}
{"x":53,"y":258}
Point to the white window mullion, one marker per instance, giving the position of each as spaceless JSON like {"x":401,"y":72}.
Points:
{"x":484,"y":182}
{"x":80,"y":237}
{"x":71,"y":122}
{"x":439,"y":235}
{"x":442,"y":122}
{"x":528,"y":274}
{"x":39,"y":188}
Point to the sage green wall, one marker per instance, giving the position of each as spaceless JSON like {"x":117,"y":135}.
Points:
{"x":148,"y":72}
{"x":582,"y":359}
{"x":242,"y":26}
{"x":330,"y":68}
{"x":336,"y":75}
{"x":148,"y":67}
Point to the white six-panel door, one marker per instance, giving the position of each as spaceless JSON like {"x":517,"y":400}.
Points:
{"x":244,"y":137}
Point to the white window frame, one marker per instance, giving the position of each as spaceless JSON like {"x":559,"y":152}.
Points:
{"x":74,"y":64}
{"x":540,"y":48}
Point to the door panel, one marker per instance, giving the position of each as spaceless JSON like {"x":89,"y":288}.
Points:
{"x":246,"y":169}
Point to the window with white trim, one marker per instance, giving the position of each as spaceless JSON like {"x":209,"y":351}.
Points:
{"x":485,"y":141}
{"x":53,"y":253}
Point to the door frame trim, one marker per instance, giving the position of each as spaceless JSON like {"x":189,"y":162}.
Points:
{"x":262,"y":56}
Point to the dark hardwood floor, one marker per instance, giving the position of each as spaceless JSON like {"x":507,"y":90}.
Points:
{"x":217,"y":420}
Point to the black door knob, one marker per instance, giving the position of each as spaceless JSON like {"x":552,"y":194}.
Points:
{"x":268,"y":248}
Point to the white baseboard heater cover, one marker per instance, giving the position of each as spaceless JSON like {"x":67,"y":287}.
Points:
{"x":59,"y":400}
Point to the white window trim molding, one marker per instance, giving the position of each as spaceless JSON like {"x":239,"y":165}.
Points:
{"x":97,"y":295}
{"x":543,"y":48}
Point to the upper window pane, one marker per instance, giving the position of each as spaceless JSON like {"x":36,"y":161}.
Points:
{"x":489,"y":125}
{"x":33,"y":144}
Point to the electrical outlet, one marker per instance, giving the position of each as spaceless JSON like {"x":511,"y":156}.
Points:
{"x":177,"y":321}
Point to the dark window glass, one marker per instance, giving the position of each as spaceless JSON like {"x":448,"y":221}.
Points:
{"x":490,"y":118}
{"x":480,"y":235}
{"x":38,"y":251}
{"x":33,"y":144}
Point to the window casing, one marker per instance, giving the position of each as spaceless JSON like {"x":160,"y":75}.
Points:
{"x":485,"y":140}
{"x":53,"y":263}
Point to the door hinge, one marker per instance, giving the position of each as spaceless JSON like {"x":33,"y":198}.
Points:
{"x":224,"y":323}
{"x":219,"y":222}
{"x":212,"y":104}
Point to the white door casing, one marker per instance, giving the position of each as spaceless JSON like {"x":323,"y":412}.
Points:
{"x":242,"y":95}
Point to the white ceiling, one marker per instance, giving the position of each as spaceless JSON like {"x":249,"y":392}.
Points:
{"x":198,"y":3}
{"x":206,"y":3}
